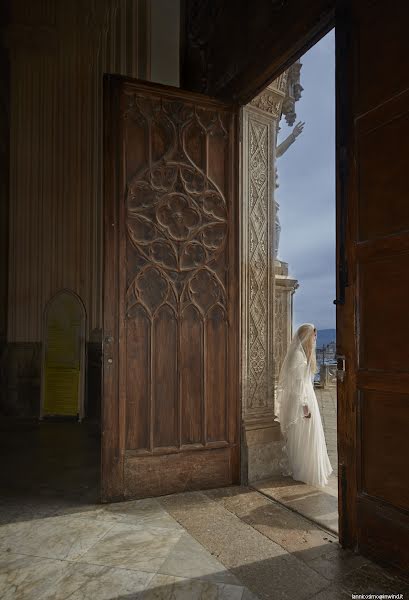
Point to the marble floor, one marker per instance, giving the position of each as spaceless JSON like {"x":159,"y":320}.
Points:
{"x":226,"y":544}
{"x":128,"y":550}
{"x":317,"y":504}
{"x":58,"y":543}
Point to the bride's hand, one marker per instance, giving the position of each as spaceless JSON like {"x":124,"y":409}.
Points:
{"x":307,"y":414}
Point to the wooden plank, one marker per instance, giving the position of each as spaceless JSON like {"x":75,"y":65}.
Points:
{"x":383,"y":381}
{"x":179,"y":472}
{"x":383,"y":532}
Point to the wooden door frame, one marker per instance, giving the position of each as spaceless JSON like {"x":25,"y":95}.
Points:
{"x":291,"y":29}
{"x":345,"y":311}
{"x":111,"y":413}
{"x":345,"y":296}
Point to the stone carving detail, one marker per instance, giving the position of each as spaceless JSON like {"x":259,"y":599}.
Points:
{"x":269,"y":101}
{"x":280,"y":327}
{"x":176,"y":216}
{"x":258,"y":276}
{"x":293,"y":90}
{"x":281,"y":82}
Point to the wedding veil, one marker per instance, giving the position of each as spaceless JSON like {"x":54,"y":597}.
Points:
{"x":298,"y":367}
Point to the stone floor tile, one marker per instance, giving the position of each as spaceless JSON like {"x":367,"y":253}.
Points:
{"x":285,"y":527}
{"x":259,"y":564}
{"x":332,"y":593}
{"x":219,"y":531}
{"x":189,"y":559}
{"x":147,"y":513}
{"x":280,"y":578}
{"x":168,"y":587}
{"x":24,"y":577}
{"x":337,"y":565}
{"x":91,"y":582}
{"x":130,"y":547}
{"x":247,"y":595}
{"x":315,"y":504}
{"x":52,"y":537}
{"x":372,"y":579}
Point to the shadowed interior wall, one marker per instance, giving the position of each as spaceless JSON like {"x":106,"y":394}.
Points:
{"x":58,"y":52}
{"x":4,"y":175}
{"x":164,"y":48}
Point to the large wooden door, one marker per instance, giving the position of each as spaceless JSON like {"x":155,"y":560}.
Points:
{"x":373,"y":323}
{"x":171,"y":347}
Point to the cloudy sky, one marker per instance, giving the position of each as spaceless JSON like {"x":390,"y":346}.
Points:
{"x":306,"y":193}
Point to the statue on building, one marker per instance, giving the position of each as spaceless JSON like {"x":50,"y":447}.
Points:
{"x":280,"y":150}
{"x":293,"y":90}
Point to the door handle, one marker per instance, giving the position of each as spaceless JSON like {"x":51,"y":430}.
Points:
{"x":340,"y":367}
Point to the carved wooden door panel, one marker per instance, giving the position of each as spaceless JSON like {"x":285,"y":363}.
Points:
{"x":372,"y":319}
{"x":170,"y":373}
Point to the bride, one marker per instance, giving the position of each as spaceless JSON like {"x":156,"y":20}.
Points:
{"x":298,"y":413}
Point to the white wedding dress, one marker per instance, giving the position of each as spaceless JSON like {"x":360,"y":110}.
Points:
{"x":305,"y":451}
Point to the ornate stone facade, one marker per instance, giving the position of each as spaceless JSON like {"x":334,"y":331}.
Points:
{"x":266,"y":289}
{"x":260,"y":282}
{"x":285,"y":287}
{"x":269,"y":101}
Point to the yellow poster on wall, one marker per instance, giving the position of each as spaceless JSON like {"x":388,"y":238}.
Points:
{"x":62,"y":356}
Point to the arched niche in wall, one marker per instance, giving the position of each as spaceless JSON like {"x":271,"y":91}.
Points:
{"x":63,"y":358}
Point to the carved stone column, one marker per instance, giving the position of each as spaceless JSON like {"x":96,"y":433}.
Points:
{"x":260,"y":435}
{"x":285,"y":287}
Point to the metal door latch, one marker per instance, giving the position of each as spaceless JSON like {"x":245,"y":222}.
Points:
{"x":340,"y":367}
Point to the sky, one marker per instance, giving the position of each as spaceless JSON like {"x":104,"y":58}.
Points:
{"x":306,"y":193}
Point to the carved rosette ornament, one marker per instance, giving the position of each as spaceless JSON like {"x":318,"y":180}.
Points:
{"x":176,"y":217}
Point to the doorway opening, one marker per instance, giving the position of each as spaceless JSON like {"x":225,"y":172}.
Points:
{"x":304,"y":254}
{"x":50,"y":413}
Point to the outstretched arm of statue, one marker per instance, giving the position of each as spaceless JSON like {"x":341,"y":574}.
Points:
{"x":283,"y":147}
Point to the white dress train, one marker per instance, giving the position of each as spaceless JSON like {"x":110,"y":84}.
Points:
{"x":305,"y":455}
{"x":305,"y":445}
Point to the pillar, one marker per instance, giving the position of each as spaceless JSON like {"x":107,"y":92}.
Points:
{"x":260,"y":434}
{"x":285,"y":287}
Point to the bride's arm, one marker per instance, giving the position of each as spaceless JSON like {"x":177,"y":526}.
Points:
{"x":304,"y":398}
